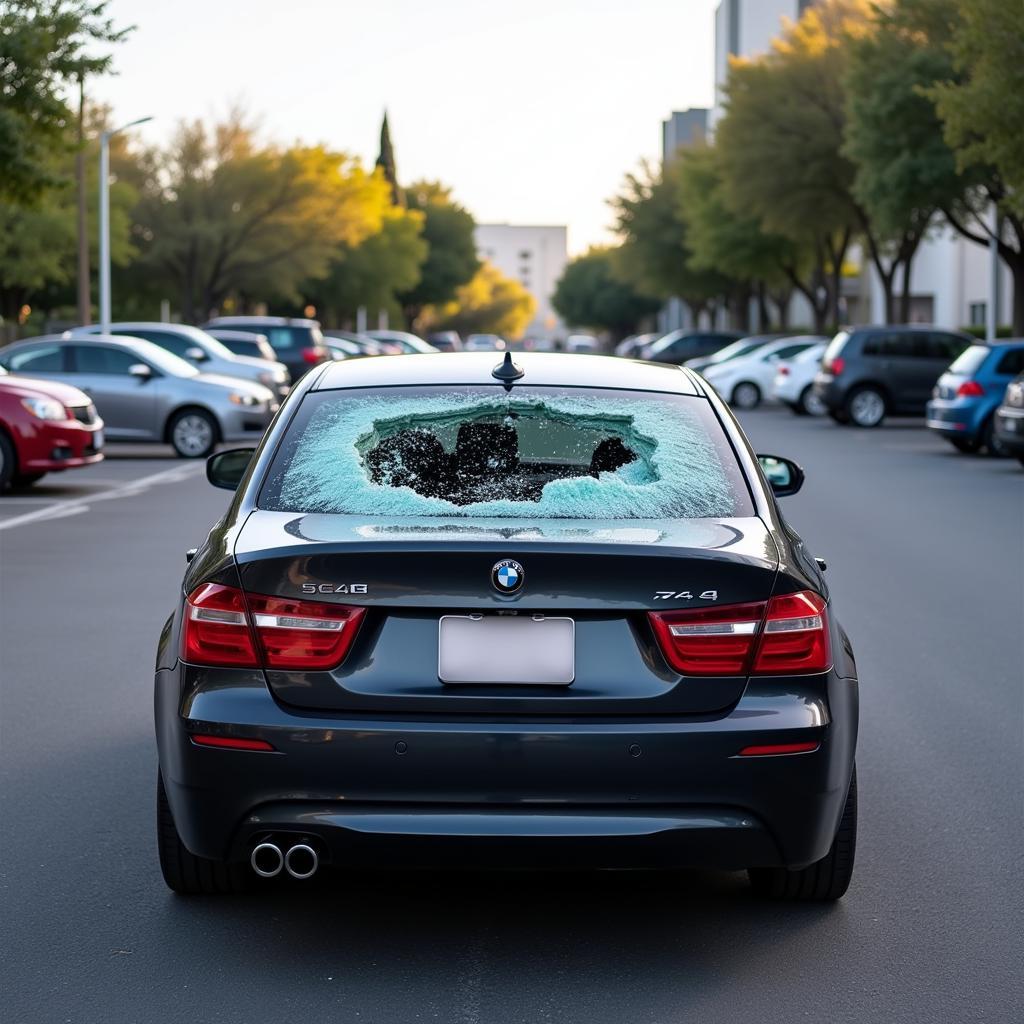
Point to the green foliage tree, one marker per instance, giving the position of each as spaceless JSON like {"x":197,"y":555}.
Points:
{"x":451,"y":258}
{"x":656,"y":255}
{"x":590,"y":294}
{"x":222,"y":216}
{"x":734,"y":244}
{"x":490,"y":303}
{"x":372,"y":273}
{"x":45,"y":45}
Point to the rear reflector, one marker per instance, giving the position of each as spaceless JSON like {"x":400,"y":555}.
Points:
{"x":224,"y":626}
{"x":768,"y":749}
{"x":786,"y":635}
{"x":229,"y":742}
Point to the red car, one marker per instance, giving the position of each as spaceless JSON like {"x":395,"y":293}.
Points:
{"x":45,"y":427}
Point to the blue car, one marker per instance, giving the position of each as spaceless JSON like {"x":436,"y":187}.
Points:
{"x":967,"y":395}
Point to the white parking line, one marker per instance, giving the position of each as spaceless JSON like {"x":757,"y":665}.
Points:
{"x":60,"y":509}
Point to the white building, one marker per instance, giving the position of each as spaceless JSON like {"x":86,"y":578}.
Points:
{"x":950,"y":274}
{"x":535,"y":256}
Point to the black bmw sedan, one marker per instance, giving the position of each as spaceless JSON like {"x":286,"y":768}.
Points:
{"x":462,"y":611}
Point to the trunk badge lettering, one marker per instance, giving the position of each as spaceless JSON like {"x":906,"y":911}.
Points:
{"x":331,"y":588}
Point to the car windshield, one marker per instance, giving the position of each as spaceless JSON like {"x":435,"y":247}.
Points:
{"x":969,"y":361}
{"x":533,"y":453}
{"x":736,"y":349}
{"x":812,"y":354}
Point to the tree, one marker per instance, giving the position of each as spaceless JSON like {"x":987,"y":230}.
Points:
{"x":45,"y":45}
{"x":655,"y":253}
{"x":372,"y":273}
{"x":223,"y":216}
{"x":386,"y":162}
{"x":903,"y":168}
{"x":451,"y":258}
{"x":781,"y":145}
{"x":730,"y":243}
{"x":488,"y":304}
{"x":589,"y":294}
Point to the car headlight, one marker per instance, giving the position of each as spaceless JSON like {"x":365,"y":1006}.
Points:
{"x":45,"y":408}
{"x":238,"y":399}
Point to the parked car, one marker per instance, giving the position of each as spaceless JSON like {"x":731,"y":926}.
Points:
{"x":695,"y":703}
{"x":45,"y":427}
{"x":297,"y":343}
{"x":358,"y":344}
{"x":245,"y":343}
{"x":145,"y":393}
{"x":744,"y":346}
{"x":744,"y":381}
{"x":202,"y":350}
{"x":632,"y":346}
{"x":1010,"y":419}
{"x":681,"y":345}
{"x":868,"y":373}
{"x":794,"y":380}
{"x":484,"y":343}
{"x":582,"y":343}
{"x":409,"y":344}
{"x":445,"y":341}
{"x":964,"y":402}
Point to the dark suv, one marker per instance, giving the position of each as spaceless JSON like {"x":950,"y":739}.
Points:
{"x":297,"y":343}
{"x":678,"y":346}
{"x":868,"y":373}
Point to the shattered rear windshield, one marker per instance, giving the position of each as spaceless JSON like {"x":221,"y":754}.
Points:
{"x":529,"y":454}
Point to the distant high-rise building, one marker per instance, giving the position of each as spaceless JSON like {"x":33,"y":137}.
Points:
{"x":683,"y":128}
{"x":533,"y":255}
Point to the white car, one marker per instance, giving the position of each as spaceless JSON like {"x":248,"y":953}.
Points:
{"x":794,"y":380}
{"x":484,"y":343}
{"x":581,"y":343}
{"x":743,"y":382}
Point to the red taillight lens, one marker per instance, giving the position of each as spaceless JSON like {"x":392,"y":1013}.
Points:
{"x":795,"y":636}
{"x":223,"y":626}
{"x":314,"y":355}
{"x":787,"y":635}
{"x":303,"y":634}
{"x":783,"y":371}
{"x":709,"y":641}
{"x":215,"y":630}
{"x":836,"y":366}
{"x":970,"y":389}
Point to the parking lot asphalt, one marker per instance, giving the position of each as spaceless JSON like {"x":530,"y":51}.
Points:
{"x":925,"y":550}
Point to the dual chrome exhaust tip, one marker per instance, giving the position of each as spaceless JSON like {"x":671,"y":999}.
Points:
{"x":300,"y":861}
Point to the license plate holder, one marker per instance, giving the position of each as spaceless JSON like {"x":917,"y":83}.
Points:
{"x":506,"y":650}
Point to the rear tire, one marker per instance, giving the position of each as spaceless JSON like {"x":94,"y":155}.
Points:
{"x":825,"y":880}
{"x":185,"y":873}
{"x":8,"y":461}
{"x":746,"y":395}
{"x":193,"y":433}
{"x":865,"y":407}
{"x":810,"y":403}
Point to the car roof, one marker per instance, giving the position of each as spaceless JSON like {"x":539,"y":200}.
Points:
{"x":858,"y":328}
{"x":474,"y":368}
{"x":138,"y":345}
{"x":269,"y":321}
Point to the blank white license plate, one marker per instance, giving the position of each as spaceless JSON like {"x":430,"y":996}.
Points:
{"x":506,"y":649}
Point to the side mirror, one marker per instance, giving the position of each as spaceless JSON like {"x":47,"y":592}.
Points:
{"x":226,"y":469}
{"x":784,"y":475}
{"x":140,"y":370}
{"x":196,"y":355}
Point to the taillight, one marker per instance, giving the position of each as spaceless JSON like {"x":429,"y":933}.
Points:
{"x":223,"y":626}
{"x":303,"y":634}
{"x":783,"y":371}
{"x":835,"y":366}
{"x":313,"y":355}
{"x":970,"y":389}
{"x":216,"y":629}
{"x":787,"y":635}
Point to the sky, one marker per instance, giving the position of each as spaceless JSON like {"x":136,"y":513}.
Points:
{"x":532,"y":112}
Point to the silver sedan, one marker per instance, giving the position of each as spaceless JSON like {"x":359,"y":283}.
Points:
{"x":145,"y":393}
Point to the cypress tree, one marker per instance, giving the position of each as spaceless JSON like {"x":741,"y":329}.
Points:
{"x":386,"y":159}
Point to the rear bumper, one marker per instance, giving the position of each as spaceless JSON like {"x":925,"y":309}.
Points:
{"x":831,"y":394}
{"x":585,"y":792}
{"x":956,"y":418}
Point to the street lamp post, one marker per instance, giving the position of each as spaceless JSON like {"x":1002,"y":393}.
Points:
{"x":105,"y":138}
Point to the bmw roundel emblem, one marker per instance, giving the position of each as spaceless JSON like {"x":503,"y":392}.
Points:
{"x":507,"y":576}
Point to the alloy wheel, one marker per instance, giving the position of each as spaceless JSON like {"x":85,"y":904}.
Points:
{"x":746,"y":395}
{"x":192,"y":435}
{"x":867,"y":408}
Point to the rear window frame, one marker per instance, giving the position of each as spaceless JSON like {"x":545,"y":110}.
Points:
{"x":747,"y":503}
